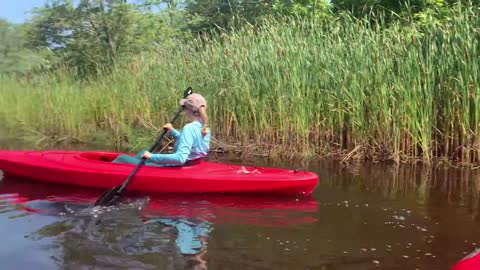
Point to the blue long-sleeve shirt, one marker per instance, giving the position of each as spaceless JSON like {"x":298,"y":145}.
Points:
{"x":190,"y":144}
{"x":189,"y":232}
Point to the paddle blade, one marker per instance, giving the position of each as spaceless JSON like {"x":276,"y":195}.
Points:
{"x":187,"y":92}
{"x":109,"y":197}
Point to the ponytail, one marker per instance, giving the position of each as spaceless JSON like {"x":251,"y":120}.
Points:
{"x":202,"y":111}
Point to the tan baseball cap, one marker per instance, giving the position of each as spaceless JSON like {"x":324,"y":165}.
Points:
{"x":194,"y":99}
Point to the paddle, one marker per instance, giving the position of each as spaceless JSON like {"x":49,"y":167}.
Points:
{"x":112,"y":195}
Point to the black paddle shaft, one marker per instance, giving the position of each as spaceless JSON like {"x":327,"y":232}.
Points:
{"x":110,"y":196}
{"x":152,"y":148}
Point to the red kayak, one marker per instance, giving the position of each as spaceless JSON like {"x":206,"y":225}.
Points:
{"x":95,"y":169}
{"x":471,"y":262}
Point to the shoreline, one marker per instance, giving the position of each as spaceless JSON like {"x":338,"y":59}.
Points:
{"x":344,"y":157}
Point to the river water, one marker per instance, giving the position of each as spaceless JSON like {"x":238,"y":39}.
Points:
{"x":364,"y":216}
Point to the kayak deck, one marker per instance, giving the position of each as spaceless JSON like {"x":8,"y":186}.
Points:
{"x":95,"y":169}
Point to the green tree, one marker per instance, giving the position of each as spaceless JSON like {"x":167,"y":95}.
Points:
{"x":206,"y":15}
{"x":14,"y":56}
{"x":172,"y":13}
{"x":360,"y":8}
{"x":423,"y":10}
{"x":309,"y":8}
{"x":94,"y":34}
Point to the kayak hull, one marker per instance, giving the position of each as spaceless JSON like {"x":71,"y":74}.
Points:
{"x":470,"y":262}
{"x":95,"y":170}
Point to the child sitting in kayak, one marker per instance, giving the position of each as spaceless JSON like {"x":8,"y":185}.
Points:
{"x":191,"y":143}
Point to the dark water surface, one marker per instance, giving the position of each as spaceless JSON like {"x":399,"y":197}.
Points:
{"x":364,"y":216}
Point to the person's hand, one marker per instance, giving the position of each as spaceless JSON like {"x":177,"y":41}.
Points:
{"x":168,"y":127}
{"x":147,"y":155}
{"x":204,"y":130}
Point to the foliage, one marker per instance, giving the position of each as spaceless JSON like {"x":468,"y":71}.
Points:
{"x":397,"y":79}
{"x":14,"y":56}
{"x":90,"y":36}
{"x":302,"y":8}
{"x":291,"y":85}
{"x":206,"y":15}
{"x":423,"y":11}
{"x":93,"y":35}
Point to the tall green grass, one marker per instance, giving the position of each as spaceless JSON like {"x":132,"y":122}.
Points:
{"x":293,"y":87}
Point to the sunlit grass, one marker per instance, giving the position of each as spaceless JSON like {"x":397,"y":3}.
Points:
{"x":292,"y":87}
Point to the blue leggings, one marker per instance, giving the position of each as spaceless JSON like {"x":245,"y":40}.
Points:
{"x":135,"y":160}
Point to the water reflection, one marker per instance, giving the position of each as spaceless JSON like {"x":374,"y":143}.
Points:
{"x":424,"y":185}
{"x":365,"y":216}
{"x":192,"y":238}
{"x":167,"y":231}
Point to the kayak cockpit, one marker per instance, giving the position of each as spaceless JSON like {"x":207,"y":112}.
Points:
{"x":98,"y":156}
{"x":109,"y":157}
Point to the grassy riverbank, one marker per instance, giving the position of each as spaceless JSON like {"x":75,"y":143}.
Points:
{"x":289,"y":88}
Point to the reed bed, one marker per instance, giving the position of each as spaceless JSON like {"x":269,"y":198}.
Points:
{"x":292,"y":87}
